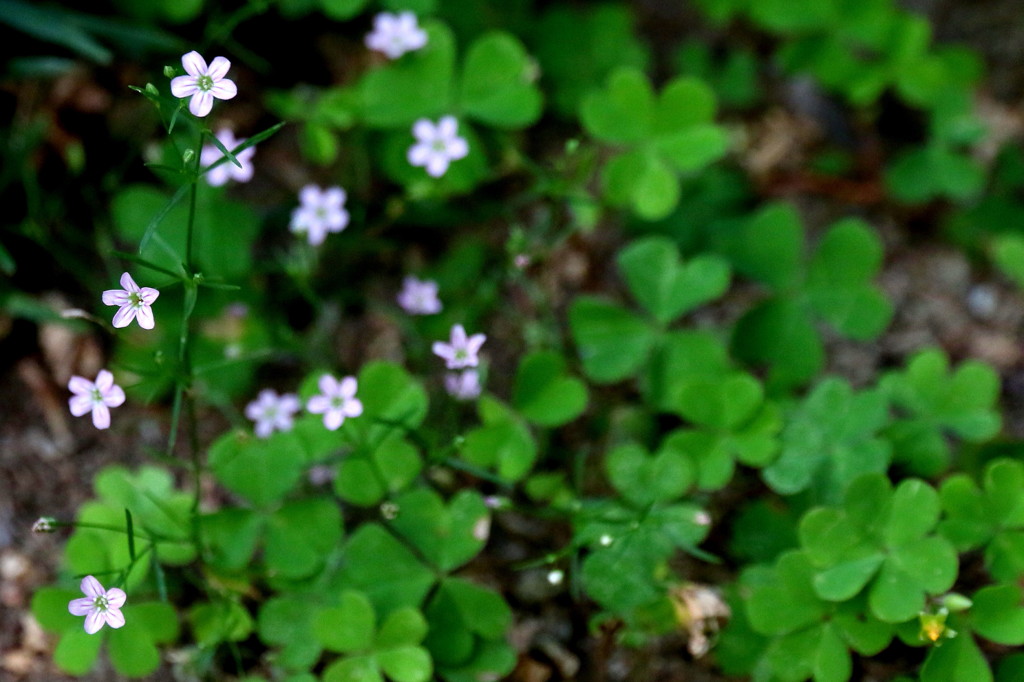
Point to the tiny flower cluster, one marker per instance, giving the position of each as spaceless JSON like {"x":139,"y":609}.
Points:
{"x":336,"y":401}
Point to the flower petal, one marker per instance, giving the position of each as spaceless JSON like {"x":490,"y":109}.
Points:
{"x":328,"y":385}
{"x":457,"y":148}
{"x":318,"y":404}
{"x":194,"y":64}
{"x":201,"y":103}
{"x":80,"y":404}
{"x":115,"y":297}
{"x":333,"y":419}
{"x":443,"y":350}
{"x":114,"y":617}
{"x":218,"y":69}
{"x":80,"y":607}
{"x":124,"y":316}
{"x":148,"y":295}
{"x":309,"y":196}
{"x":128,"y":284}
{"x":424,"y":130}
{"x":289,"y":403}
{"x":447,"y":127}
{"x":145,"y":317}
{"x":353,"y":407}
{"x":264,"y":428}
{"x":225,"y":89}
{"x":104,"y":380}
{"x":100,"y":416}
{"x":419,"y":154}
{"x":458,"y":337}
{"x":184,"y":86}
{"x":114,"y":397}
{"x":437,"y":165}
{"x":91,"y":587}
{"x":94,"y":621}
{"x":474,"y":343}
{"x":116,"y":597}
{"x":347,"y":388}
{"x":80,"y":385}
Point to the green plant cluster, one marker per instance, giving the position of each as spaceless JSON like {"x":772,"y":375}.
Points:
{"x":671,"y":416}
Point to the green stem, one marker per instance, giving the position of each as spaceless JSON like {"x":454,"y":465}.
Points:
{"x":192,"y":192}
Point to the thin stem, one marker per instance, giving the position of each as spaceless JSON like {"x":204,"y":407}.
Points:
{"x":192,"y":192}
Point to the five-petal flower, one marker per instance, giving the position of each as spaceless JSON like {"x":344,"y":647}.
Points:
{"x":99,"y":606}
{"x":203,"y":82}
{"x":437,"y":145}
{"x":227,"y":170}
{"x":337,"y":400}
{"x":272,"y":412}
{"x":319,"y":212}
{"x":96,"y":397}
{"x":419,"y":297}
{"x":461,"y":351}
{"x":135,"y":303}
{"x":396,"y":34}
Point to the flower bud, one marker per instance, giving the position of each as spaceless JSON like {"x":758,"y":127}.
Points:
{"x":45,"y":524}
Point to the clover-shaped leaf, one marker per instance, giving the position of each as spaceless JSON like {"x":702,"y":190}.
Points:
{"x":446,"y":535}
{"x":464,"y":618}
{"x":679,"y":360}
{"x":665,"y":287}
{"x":612,"y":342}
{"x":643,"y":479}
{"x":831,"y":438}
{"x":664,"y":135}
{"x":497,"y":82}
{"x":365,"y":478}
{"x":262,"y":470}
{"x":935,"y":402}
{"x":384,"y":569}
{"x":992,"y":517}
{"x":811,"y":637}
{"x":833,"y":285}
{"x":544,"y":393}
{"x":503,"y":442}
{"x":287,"y":621}
{"x":880,"y":539}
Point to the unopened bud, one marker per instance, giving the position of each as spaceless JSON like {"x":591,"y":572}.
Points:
{"x":389,"y":510}
{"x":170,"y":71}
{"x":188,"y":155}
{"x":151,"y":89}
{"x":45,"y":524}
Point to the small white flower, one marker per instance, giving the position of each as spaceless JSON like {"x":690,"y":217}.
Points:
{"x":135,"y":302}
{"x":461,"y":351}
{"x":556,"y":576}
{"x":463,"y":385}
{"x":96,"y":397}
{"x":99,"y":606}
{"x":419,"y":298}
{"x":319,"y":212}
{"x":203,"y":82}
{"x":337,"y":400}
{"x":437,"y":145}
{"x":396,"y":34}
{"x":227,"y":170}
{"x":272,"y":412}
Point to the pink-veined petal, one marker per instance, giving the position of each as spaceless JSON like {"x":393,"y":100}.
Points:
{"x":94,"y":621}
{"x":318,"y":404}
{"x":224,"y":89}
{"x":114,"y":617}
{"x":194,"y":64}
{"x":458,"y":148}
{"x":145,"y":317}
{"x":104,"y":380}
{"x":80,"y":385}
{"x":218,"y":69}
{"x":116,"y":597}
{"x":184,"y":86}
{"x":447,"y":127}
{"x":424,"y":130}
{"x":114,"y":397}
{"x":437,"y":165}
{"x":124,"y":316}
{"x":128,"y":284}
{"x":80,"y":607}
{"x":80,"y":404}
{"x":347,"y":387}
{"x":333,"y":419}
{"x":148,"y":295}
{"x":91,"y":587}
{"x":115,"y":297}
{"x":100,"y":416}
{"x":353,"y":407}
{"x":201,"y":103}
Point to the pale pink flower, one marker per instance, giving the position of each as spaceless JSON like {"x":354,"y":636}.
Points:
{"x":461,"y":351}
{"x":463,"y":385}
{"x":272,"y":412}
{"x":396,"y":34}
{"x":99,"y":606}
{"x":203,"y":82}
{"x":419,"y":297}
{"x":437,"y":145}
{"x":135,"y":303}
{"x":96,"y":397}
{"x":337,"y":400}
{"x":227,"y":170}
{"x":319,"y":212}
